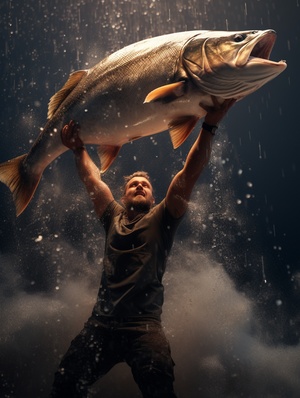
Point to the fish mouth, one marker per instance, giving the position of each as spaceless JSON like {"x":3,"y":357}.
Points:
{"x":258,"y":50}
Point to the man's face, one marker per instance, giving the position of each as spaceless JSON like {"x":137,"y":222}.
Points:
{"x":138,"y":194}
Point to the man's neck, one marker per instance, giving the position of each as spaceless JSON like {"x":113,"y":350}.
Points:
{"x":133,"y":212}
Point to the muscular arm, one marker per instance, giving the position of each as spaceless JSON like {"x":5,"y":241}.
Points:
{"x":89,"y":173}
{"x":181,"y":187}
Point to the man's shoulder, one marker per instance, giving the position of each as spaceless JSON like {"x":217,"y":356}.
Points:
{"x":165,"y":217}
{"x":113,"y":209}
{"x":158,"y":208}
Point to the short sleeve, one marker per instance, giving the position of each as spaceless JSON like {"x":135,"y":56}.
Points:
{"x":112,"y":210}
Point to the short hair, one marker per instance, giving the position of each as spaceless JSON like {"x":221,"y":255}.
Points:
{"x":139,"y":173}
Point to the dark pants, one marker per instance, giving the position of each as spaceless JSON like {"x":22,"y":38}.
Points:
{"x":102,"y":344}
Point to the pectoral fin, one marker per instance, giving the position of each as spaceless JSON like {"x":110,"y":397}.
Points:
{"x":168,"y":92}
{"x":61,"y":95}
{"x":107,"y":154}
{"x":181,"y":128}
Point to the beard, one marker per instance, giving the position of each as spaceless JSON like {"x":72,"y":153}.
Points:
{"x":139,"y":204}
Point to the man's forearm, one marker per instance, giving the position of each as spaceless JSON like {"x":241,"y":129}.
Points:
{"x":181,"y":187}
{"x":87,"y":170}
{"x":198,"y":156}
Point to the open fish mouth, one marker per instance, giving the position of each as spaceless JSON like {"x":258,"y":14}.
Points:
{"x":264,"y":47}
{"x":258,"y":50}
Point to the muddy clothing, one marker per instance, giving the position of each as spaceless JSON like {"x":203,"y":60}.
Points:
{"x":125,"y":324}
{"x":134,"y":262}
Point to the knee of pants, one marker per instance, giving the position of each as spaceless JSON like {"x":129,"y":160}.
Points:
{"x":155,"y":383}
{"x":65,"y":386}
{"x":154,"y":363}
{"x":154,"y":373}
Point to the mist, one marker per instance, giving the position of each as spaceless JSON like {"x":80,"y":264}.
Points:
{"x":213,"y":329}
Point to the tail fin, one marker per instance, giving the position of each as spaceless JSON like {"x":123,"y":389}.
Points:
{"x":22,"y":184}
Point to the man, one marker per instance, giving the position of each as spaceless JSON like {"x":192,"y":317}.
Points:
{"x":125,"y":325}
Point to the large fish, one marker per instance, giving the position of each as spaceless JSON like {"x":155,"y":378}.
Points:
{"x":143,"y":89}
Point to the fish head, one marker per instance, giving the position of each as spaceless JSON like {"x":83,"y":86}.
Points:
{"x":231,"y":64}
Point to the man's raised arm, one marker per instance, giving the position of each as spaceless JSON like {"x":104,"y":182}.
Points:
{"x":89,"y":173}
{"x":181,"y":186}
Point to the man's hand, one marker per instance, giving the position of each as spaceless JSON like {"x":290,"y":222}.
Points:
{"x":70,"y":136}
{"x":216,"y":112}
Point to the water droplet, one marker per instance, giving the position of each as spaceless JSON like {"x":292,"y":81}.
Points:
{"x":39,"y":238}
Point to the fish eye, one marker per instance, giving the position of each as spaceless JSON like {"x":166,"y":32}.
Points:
{"x":238,"y":38}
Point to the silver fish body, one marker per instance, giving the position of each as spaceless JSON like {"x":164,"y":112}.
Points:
{"x":146,"y":88}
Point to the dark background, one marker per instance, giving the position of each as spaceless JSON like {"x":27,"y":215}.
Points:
{"x":233,"y":280}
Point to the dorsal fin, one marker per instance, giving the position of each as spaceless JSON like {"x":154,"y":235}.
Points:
{"x":181,"y":128}
{"x":170,"y":90}
{"x":62,"y":94}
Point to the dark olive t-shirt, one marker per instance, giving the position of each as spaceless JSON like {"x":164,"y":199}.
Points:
{"x":134,"y":262}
